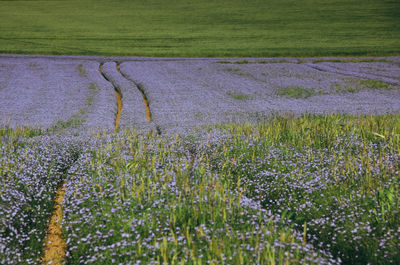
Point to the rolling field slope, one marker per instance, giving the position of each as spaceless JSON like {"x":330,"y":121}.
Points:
{"x":188,"y":94}
{"x":177,"y":95}
{"x":54,"y":94}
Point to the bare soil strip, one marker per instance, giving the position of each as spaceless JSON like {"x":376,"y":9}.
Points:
{"x":54,"y":250}
{"x":119,"y":109}
{"x":118,"y":94}
{"x":145,"y":100}
{"x":148,"y":113}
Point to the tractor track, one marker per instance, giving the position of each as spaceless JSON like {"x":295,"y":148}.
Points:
{"x":118,"y":94}
{"x":145,"y":98}
{"x":55,"y":246}
{"x":339,"y":71}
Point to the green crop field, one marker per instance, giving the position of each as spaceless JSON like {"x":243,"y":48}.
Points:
{"x":202,"y":28}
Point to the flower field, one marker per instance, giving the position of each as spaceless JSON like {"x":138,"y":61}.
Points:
{"x":184,"y":94}
{"x":291,"y":190}
{"x":31,"y":170}
{"x":199,"y":161}
{"x":76,"y":94}
{"x":54,"y":94}
{"x":255,"y":132}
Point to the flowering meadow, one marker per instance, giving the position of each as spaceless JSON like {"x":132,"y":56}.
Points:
{"x":31,"y":169}
{"x":291,"y":190}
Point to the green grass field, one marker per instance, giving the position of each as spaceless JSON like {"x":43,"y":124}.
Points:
{"x":201,"y":28}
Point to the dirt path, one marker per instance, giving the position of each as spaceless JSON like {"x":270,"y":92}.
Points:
{"x":55,"y":246}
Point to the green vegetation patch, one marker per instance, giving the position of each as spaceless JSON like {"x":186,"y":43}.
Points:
{"x":375,"y":84}
{"x":258,"y":62}
{"x":295,"y":92}
{"x":94,"y":90}
{"x":25,"y":132}
{"x":238,"y":96}
{"x":236,"y":62}
{"x":72,"y":123}
{"x":368,"y":60}
{"x":354,"y":85}
{"x":204,"y":28}
{"x":351,"y":86}
{"x":81,"y":70}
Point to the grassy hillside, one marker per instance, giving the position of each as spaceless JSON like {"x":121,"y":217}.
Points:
{"x":201,"y":28}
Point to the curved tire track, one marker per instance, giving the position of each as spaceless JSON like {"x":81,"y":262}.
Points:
{"x":118,"y":95}
{"x":337,"y":70}
{"x":133,"y":114}
{"x":145,"y":99}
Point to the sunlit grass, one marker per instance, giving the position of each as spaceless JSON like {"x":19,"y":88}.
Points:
{"x":337,"y":174}
{"x":20,"y":131}
{"x":375,"y":84}
{"x":360,"y":60}
{"x":356,"y":85}
{"x":238,"y":96}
